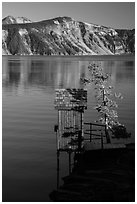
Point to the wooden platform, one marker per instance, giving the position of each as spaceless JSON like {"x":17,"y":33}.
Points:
{"x":97,"y":145}
{"x":100,"y":176}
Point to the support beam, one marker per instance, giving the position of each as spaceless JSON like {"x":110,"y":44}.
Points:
{"x":58,"y":154}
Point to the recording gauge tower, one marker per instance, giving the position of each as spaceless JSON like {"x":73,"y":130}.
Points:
{"x":70,"y":104}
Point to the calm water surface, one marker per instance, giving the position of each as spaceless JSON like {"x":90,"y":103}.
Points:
{"x":29,"y":149}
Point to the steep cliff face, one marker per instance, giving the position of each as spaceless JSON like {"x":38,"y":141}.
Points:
{"x":63,"y":36}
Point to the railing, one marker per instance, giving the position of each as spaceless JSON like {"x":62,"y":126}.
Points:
{"x":95,"y":131}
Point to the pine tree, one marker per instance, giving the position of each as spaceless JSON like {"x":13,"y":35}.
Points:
{"x":105,"y":105}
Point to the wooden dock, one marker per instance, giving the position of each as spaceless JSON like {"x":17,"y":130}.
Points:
{"x":104,"y":170}
{"x":88,"y":146}
{"x":101,"y":175}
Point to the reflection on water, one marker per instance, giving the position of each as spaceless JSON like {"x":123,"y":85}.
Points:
{"x":42,"y":73}
{"x":59,"y":74}
{"x":29,"y":149}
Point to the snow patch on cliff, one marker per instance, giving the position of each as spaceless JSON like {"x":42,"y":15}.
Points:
{"x":56,"y":22}
{"x":22,"y":20}
{"x":23,"y":32}
{"x":4,"y":35}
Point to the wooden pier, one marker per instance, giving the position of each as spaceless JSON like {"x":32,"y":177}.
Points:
{"x":106,"y":175}
{"x":102,"y":171}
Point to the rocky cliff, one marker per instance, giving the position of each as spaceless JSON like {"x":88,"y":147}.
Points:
{"x":63,"y":36}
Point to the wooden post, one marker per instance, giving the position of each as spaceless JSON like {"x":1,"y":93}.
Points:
{"x":58,"y":153}
{"x":56,"y":131}
{"x":69,"y":162}
{"x":90,"y":131}
{"x":81,"y":122}
{"x":82,"y":132}
{"x":79,"y":140}
{"x":102,"y":141}
{"x":74,"y":121}
{"x":60,"y":132}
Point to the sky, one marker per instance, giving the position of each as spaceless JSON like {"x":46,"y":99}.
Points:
{"x":111,"y":14}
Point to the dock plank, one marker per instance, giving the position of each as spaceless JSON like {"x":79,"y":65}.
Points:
{"x":97,"y":145}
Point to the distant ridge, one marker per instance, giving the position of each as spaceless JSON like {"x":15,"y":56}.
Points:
{"x":63,"y":36}
{"x":17,"y":20}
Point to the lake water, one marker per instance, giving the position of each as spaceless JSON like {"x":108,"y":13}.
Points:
{"x":29,"y":144}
